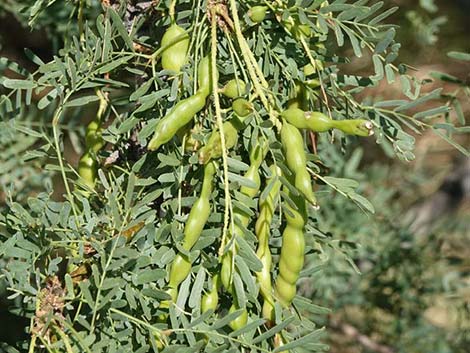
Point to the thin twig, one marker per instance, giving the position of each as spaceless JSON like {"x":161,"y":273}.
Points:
{"x":220,"y":125}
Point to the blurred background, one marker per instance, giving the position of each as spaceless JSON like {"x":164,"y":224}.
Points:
{"x":410,"y":290}
{"x":398,"y":281}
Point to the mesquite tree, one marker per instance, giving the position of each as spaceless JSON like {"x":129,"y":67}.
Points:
{"x":189,"y":215}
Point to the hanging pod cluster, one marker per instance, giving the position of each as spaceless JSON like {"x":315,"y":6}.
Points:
{"x":200,"y":211}
{"x":288,"y":190}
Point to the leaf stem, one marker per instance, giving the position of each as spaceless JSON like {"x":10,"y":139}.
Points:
{"x":172,"y":10}
{"x":220,"y":125}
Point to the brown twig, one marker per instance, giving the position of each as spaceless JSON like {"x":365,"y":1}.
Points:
{"x":313,"y":140}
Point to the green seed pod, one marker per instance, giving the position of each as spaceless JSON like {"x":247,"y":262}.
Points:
{"x":180,"y":269}
{"x":181,"y":266}
{"x":173,"y":292}
{"x":234,"y":88}
{"x":204,"y":75}
{"x":319,"y":122}
{"x":296,"y":159}
{"x":213,"y":147}
{"x":358,"y":127}
{"x":93,"y":140}
{"x":182,"y":113}
{"x":240,"y":321}
{"x":297,"y":218}
{"x":268,"y":310}
{"x":88,"y":169}
{"x":314,"y":121}
{"x":264,"y":276}
{"x":303,"y":183}
{"x":262,"y":230}
{"x":211,"y":299}
{"x":175,"y":55}
{"x":242,"y":107}
{"x":257,"y":13}
{"x":88,"y":163}
{"x":185,"y":110}
{"x":226,"y":271}
{"x":292,"y":251}
{"x":285,"y":291}
{"x":290,"y":268}
{"x":256,"y":158}
{"x":200,"y":211}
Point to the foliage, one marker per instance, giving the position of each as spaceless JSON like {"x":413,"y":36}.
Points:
{"x":90,"y":270}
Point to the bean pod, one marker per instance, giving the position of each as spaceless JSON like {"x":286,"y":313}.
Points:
{"x":181,"y":266}
{"x":242,"y":107}
{"x":234,"y":88}
{"x":292,"y":250}
{"x":319,"y":122}
{"x":88,"y":169}
{"x":211,"y":299}
{"x":185,"y":110}
{"x":358,"y":127}
{"x":257,"y":13}
{"x":176,"y":41}
{"x":93,"y":140}
{"x":296,"y":159}
{"x":204,"y":76}
{"x":88,"y":163}
{"x":240,"y":321}
{"x":314,"y":121}
{"x":256,"y":158}
{"x":262,"y":230}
